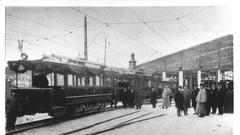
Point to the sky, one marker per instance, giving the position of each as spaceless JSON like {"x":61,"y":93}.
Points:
{"x":148,"y":32}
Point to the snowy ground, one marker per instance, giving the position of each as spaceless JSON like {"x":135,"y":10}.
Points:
{"x":169,"y":124}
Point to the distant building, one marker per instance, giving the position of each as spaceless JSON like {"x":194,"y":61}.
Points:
{"x":132,"y":63}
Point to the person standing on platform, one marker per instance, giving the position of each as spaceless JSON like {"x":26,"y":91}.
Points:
{"x":153,"y":98}
{"x":193,"y":97}
{"x":128,"y":97}
{"x":132,"y":96}
{"x":209,"y":100}
{"x":228,"y":101}
{"x":139,"y":98}
{"x":213,"y":103}
{"x":220,"y":99}
{"x":186,"y":100}
{"x":165,"y":96}
{"x":124,"y":98}
{"x":201,"y":101}
{"x":179,"y":100}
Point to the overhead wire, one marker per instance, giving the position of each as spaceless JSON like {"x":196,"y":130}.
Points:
{"x":41,"y":37}
{"x":105,"y":23}
{"x":179,"y":20}
{"x":42,"y":24}
{"x":96,"y":37}
{"x":157,"y":21}
{"x":153,"y":30}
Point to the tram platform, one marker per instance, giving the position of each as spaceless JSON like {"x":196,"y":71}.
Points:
{"x":170,"y":124}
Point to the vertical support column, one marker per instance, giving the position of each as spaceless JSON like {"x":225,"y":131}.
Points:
{"x":219,"y":65}
{"x":65,"y":79}
{"x":180,"y":77}
{"x":55,"y":79}
{"x":94,"y":80}
{"x":199,"y":78}
{"x":163,"y":76}
{"x":218,"y":75}
{"x":190,"y":81}
{"x":86,"y":80}
{"x":77,"y":80}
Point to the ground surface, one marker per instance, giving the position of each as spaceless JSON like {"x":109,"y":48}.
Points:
{"x":169,"y":124}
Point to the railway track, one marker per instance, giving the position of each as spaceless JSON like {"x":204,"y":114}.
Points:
{"x":50,"y":121}
{"x":122,"y":125}
{"x":118,"y":125}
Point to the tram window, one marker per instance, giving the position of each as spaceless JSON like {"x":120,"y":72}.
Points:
{"x":70,"y":80}
{"x":83,"y":81}
{"x":91,"y":81}
{"x":25,"y":79}
{"x":101,"y":81}
{"x":60,"y":80}
{"x":108,"y":83}
{"x":149,"y":83}
{"x":50,"y":78}
{"x":97,"y":80}
{"x":79,"y":81}
{"x":74,"y":80}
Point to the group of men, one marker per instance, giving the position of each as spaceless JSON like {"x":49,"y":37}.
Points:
{"x":130,"y":98}
{"x":204,"y":100}
{"x":182,"y":100}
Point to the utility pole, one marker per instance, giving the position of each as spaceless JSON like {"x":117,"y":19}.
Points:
{"x":105,"y":51}
{"x":85,"y":39}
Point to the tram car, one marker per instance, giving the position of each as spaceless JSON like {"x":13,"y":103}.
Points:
{"x":60,"y":89}
{"x":140,"y":80}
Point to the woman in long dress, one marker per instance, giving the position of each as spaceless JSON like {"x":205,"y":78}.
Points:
{"x":201,"y":101}
{"x":165,"y":96}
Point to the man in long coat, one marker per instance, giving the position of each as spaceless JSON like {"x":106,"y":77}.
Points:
{"x":132,"y":96}
{"x":165,"y":96}
{"x":153,"y":98}
{"x":179,"y":100}
{"x":186,"y":100}
{"x":220,"y":94}
{"x":139,"y":98}
{"x":212,"y":99}
{"x":124,"y":97}
{"x":193,"y":97}
{"x":201,"y":101}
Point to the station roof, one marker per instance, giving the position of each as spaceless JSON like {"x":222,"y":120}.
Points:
{"x":208,"y":56}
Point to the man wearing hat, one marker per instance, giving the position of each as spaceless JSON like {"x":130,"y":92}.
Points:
{"x":220,"y":99}
{"x":193,"y":97}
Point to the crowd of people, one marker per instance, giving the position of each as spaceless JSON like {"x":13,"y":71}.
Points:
{"x":130,"y":98}
{"x":205,"y":101}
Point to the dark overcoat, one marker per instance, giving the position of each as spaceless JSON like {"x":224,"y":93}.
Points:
{"x":193,"y":97}
{"x":153,"y":98}
{"x":220,"y":95}
{"x":139,"y":98}
{"x":179,"y":100}
{"x":186,"y":98}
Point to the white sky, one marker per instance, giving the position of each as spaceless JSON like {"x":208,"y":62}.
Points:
{"x":59,"y":30}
